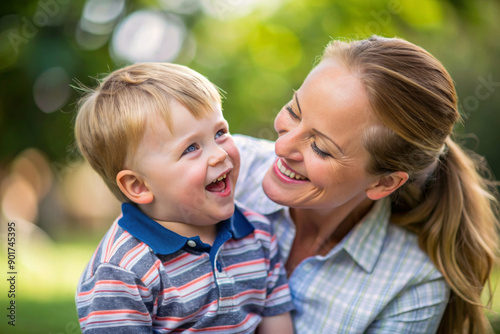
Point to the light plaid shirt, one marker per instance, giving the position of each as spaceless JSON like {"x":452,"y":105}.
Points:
{"x":376,"y":280}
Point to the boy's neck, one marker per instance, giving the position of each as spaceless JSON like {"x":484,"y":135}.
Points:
{"x":207,"y":234}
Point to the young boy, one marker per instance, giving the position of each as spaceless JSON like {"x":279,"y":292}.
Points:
{"x":181,"y":257}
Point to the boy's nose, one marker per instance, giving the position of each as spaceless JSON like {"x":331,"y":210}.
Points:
{"x":217,"y":155}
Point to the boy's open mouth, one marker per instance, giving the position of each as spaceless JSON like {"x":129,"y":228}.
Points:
{"x":219,"y":184}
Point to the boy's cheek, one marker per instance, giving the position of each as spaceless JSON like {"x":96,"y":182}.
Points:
{"x":234,"y":154}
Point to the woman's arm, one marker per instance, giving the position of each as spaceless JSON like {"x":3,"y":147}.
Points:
{"x":257,"y":155}
{"x":278,"y":324}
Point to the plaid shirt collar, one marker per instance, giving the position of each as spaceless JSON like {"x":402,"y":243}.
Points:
{"x":363,"y":243}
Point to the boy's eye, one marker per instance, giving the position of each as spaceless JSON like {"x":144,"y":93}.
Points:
{"x":219,"y":133}
{"x":191,"y":148}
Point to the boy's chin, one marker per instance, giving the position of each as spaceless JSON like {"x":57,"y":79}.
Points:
{"x":213,"y":217}
{"x":226,"y":213}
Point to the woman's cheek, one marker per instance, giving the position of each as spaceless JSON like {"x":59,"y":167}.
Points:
{"x":322,"y":171}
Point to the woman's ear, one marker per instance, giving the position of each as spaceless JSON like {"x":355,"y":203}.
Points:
{"x":134,"y":187}
{"x":386,"y":185}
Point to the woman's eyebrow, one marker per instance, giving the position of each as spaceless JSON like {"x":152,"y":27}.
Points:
{"x":297,"y":101}
{"x":329,"y":139}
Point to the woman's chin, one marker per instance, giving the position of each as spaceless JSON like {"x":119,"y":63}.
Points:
{"x":273,"y":190}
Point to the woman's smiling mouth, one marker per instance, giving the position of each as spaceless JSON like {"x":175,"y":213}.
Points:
{"x":285,"y":173}
{"x":289,"y":172}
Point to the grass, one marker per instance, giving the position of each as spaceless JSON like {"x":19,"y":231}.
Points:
{"x":47,"y":275}
{"x":52,"y":317}
{"x":46,"y":279}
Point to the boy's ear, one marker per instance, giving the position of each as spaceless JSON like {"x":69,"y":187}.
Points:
{"x":133,"y":186}
{"x":386,"y":185}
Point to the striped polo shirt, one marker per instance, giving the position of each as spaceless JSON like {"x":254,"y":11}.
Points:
{"x":144,"y":278}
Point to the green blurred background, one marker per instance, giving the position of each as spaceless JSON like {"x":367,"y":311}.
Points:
{"x":257,"y":51}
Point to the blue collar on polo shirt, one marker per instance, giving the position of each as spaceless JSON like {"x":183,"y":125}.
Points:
{"x":163,"y":241}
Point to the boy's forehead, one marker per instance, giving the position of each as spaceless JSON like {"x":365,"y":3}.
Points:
{"x":179,"y":114}
{"x":198,"y":110}
{"x":163,"y":135}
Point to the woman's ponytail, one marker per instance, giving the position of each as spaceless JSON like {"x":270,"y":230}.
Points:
{"x":460,"y":235}
{"x":448,"y":200}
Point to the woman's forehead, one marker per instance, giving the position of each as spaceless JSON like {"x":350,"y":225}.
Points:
{"x":333,"y":101}
{"x":334,"y":91}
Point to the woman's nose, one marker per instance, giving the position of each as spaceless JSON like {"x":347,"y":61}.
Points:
{"x":217,"y":155}
{"x":288,"y":146}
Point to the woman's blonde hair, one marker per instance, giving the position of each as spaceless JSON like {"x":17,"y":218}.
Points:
{"x":446,"y":200}
{"x":113,"y":117}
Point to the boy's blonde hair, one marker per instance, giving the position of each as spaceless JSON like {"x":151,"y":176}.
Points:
{"x":113,"y":117}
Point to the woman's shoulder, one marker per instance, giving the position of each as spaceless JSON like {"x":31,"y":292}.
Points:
{"x":249,"y":141}
{"x":252,"y":149}
{"x":403,"y":247}
{"x":381,"y":247}
{"x":417,"y":289}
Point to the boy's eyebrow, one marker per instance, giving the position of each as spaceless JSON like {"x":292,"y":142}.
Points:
{"x":315,"y":130}
{"x":192,"y":137}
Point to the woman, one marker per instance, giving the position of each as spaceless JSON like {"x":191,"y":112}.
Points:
{"x":383,"y":221}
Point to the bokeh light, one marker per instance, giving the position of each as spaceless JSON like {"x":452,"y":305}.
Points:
{"x":97,"y":22}
{"x":19,"y":200}
{"x":99,"y":16}
{"x":28,"y":182}
{"x":148,"y":36}
{"x":185,"y":7}
{"x":233,"y":9}
{"x":93,"y":203}
{"x":89,"y":41}
{"x":34,"y":167}
{"x":51,"y":90}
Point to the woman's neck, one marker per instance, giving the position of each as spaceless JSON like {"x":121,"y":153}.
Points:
{"x":318,"y":231}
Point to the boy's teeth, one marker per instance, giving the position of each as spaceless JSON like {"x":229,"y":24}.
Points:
{"x":288,"y":172}
{"x":220,"y":178}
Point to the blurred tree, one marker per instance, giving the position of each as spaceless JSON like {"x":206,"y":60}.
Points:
{"x":255,"y":50}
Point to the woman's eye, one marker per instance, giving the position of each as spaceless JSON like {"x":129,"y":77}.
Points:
{"x":292,"y":114}
{"x":191,"y":148}
{"x":319,"y":152}
{"x":220,"y":133}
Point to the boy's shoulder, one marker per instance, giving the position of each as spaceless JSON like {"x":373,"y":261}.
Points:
{"x":119,"y":249}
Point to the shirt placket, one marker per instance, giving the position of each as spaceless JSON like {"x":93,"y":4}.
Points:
{"x":225,"y":286}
